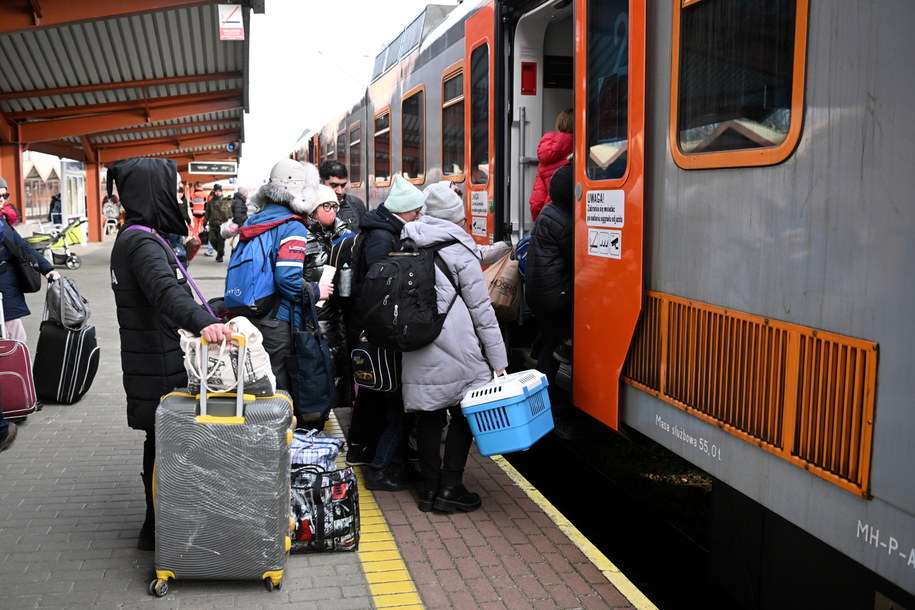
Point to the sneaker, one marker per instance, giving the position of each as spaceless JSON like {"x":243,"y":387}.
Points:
{"x":11,"y":433}
{"x":563,"y":353}
{"x":457,"y":498}
{"x":208,"y":253}
{"x":218,"y":259}
{"x":359,"y":455}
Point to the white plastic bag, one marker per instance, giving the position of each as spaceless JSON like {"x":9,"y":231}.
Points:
{"x":228,"y":229}
{"x":222,"y":362}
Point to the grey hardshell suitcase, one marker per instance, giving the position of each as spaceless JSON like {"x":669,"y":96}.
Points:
{"x":221,"y":486}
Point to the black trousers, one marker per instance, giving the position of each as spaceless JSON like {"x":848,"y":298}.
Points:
{"x":440,"y":470}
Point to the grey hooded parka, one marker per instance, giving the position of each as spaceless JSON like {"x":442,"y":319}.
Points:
{"x":470,"y":346}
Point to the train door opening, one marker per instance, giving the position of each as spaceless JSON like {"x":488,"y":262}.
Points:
{"x":542,"y":88}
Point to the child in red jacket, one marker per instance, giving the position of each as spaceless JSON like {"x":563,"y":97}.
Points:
{"x":552,"y":153}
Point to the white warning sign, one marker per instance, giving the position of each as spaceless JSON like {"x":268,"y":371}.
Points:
{"x":605,"y":209}
{"x":478,"y":203}
{"x":605,"y":242}
{"x":478,"y":226}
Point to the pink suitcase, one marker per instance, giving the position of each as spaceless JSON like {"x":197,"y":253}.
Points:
{"x":16,"y":384}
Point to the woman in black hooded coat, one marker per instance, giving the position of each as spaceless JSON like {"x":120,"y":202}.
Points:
{"x":153,"y":300}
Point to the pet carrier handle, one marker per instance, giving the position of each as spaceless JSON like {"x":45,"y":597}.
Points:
{"x":242,"y":343}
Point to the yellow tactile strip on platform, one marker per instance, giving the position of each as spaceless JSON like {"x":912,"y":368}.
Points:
{"x":386,"y":573}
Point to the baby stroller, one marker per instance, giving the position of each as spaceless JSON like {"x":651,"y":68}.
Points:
{"x":57,"y":240}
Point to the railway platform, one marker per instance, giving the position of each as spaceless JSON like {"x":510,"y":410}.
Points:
{"x":71,"y":505}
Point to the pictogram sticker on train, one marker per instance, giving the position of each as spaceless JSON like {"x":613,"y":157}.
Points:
{"x":605,"y":209}
{"x":478,"y":226}
{"x":605,"y":242}
{"x":478,"y":206}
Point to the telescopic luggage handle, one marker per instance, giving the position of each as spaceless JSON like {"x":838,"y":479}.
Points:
{"x":242,"y":343}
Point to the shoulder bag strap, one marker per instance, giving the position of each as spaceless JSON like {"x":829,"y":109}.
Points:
{"x":187,"y":275}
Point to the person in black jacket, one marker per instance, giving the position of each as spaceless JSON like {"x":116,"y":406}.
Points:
{"x":352,"y":209}
{"x":379,"y":426}
{"x":153,"y":301}
{"x":240,"y":206}
{"x":549,"y":280}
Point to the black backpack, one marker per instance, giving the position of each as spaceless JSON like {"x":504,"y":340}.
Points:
{"x":397,"y":300}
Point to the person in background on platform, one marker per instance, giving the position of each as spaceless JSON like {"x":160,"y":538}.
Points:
{"x":282,"y":205}
{"x":352,"y":209}
{"x":379,"y":427}
{"x":153,"y":301}
{"x":8,"y":211}
{"x":55,"y":210}
{"x":436,"y":377}
{"x":218,"y":210}
{"x":552,"y":153}
{"x":215,"y":195}
{"x":240,"y":205}
{"x":324,"y":228}
{"x":14,"y":305}
{"x":198,"y":207}
{"x":549,"y":283}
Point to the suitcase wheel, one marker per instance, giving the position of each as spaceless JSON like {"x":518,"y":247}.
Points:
{"x":158,"y":587}
{"x":73,"y":262}
{"x":268,"y":584}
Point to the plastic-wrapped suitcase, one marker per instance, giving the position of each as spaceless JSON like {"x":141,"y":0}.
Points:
{"x":221,"y":486}
{"x":66,"y":360}
{"x":16,"y":384}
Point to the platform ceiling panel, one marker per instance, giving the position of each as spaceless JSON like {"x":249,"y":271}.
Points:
{"x":150,"y":70}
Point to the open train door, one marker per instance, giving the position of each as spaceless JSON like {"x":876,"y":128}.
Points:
{"x":609,"y":180}
{"x":478,"y":122}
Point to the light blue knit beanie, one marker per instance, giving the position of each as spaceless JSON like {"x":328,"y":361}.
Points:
{"x":404,"y":197}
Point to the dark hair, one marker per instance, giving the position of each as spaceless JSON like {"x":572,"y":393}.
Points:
{"x":334,"y":168}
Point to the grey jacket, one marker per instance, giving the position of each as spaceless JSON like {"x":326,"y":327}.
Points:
{"x":470,"y":345}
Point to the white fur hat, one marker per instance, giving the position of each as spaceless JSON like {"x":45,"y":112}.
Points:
{"x":300,"y":180}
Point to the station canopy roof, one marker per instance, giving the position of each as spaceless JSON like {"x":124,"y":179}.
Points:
{"x":104,"y":80}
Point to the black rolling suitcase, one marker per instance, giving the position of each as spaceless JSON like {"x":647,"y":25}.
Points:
{"x":66,"y":360}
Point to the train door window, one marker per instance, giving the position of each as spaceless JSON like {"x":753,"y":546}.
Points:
{"x":341,"y":146}
{"x":412,"y":161}
{"x":479,"y":115}
{"x":382,"y":147}
{"x":608,"y":89}
{"x":355,"y":154}
{"x":738,"y":81}
{"x":453,"y":125}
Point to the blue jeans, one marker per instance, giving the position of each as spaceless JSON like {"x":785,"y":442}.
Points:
{"x":392,"y":444}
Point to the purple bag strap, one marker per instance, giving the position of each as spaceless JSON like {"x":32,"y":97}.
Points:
{"x":187,"y":275}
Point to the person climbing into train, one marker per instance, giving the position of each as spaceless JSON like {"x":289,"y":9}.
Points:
{"x":552,"y":153}
{"x":549,"y":283}
{"x":436,"y":377}
{"x":352,"y":209}
{"x":379,"y":427}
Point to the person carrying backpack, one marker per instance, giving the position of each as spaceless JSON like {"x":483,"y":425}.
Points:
{"x":462,"y":357}
{"x":270,"y":257}
{"x":218,"y":210}
{"x":379,"y":427}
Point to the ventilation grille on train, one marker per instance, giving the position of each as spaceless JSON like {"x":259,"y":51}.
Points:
{"x":802,"y":394}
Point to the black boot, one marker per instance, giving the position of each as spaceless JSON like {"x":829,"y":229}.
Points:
{"x":384,"y":479}
{"x":146,"y":541}
{"x":456,"y":498}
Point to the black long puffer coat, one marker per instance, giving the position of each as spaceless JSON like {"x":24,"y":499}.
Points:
{"x":549,"y":277}
{"x":152,"y":296}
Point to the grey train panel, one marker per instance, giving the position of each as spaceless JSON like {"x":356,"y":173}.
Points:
{"x":825,"y":240}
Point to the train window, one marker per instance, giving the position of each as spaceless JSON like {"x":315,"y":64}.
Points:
{"x":341,"y":146}
{"x":608,"y":89}
{"x":737,"y":82}
{"x":453,"y":125}
{"x":412,"y":161}
{"x":382,"y":146}
{"x":479,"y":115}
{"x":355,"y":154}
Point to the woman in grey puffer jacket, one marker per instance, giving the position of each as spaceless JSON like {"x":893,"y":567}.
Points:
{"x":463,"y":357}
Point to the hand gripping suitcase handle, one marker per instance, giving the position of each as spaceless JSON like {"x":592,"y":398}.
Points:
{"x":242,"y":343}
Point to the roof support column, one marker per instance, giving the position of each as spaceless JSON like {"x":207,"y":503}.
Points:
{"x":94,"y":201}
{"x":11,"y":171}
